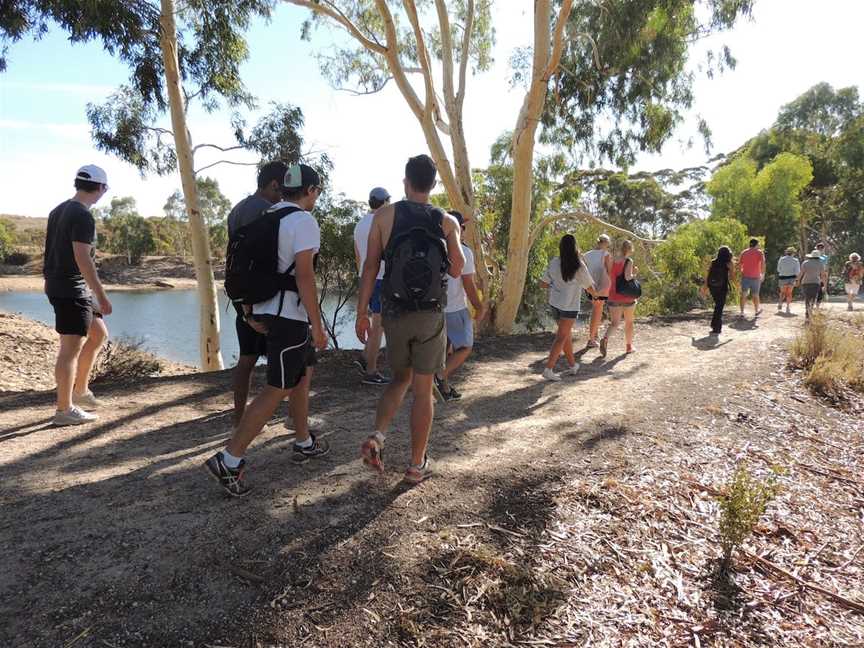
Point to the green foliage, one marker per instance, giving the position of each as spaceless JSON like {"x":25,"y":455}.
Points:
{"x":623,"y":84}
{"x":125,"y":231}
{"x":337,"y":268}
{"x":7,"y":237}
{"x":345,"y":64}
{"x":215,"y":208}
{"x":649,"y":204}
{"x":682,"y":261}
{"x":742,"y":505}
{"x":766,"y":201}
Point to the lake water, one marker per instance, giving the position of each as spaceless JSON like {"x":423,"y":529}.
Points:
{"x":165,"y":321}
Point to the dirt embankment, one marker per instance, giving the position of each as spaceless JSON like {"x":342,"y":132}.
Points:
{"x":28,"y":350}
{"x":115,"y":274}
{"x":562,"y":514}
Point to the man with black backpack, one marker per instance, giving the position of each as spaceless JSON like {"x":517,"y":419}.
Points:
{"x":270,"y":270}
{"x":420,"y":246}
{"x":252,"y":343}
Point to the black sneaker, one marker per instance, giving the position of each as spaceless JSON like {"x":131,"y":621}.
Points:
{"x":454,"y":395}
{"x":319,"y":448}
{"x":375,"y":379}
{"x":231,"y":479}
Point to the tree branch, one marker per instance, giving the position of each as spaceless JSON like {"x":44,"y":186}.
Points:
{"x":210,"y":166}
{"x":432,"y":107}
{"x":332,"y":12}
{"x":582,"y":215}
{"x":446,"y":53}
{"x":392,"y":55}
{"x":466,"y":53}
{"x":558,"y":39}
{"x":223,"y":149}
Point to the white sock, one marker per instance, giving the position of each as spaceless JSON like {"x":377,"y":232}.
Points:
{"x":230,"y":460}
{"x":304,"y":444}
{"x":379,"y":436}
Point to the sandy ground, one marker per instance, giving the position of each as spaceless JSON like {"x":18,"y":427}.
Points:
{"x":114,"y":536}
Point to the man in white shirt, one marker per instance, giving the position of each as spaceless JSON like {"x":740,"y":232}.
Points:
{"x":292,"y":322}
{"x":460,"y":328}
{"x":377,"y":197}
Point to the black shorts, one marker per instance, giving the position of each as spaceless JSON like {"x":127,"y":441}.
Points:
{"x":289,"y":351}
{"x":600,"y":298}
{"x":252,"y":343}
{"x":73,"y":315}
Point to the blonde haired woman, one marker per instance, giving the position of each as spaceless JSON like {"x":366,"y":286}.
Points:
{"x":621,"y":305}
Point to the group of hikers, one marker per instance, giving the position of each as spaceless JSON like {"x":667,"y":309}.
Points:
{"x":811,"y":276}
{"x":416,"y":288}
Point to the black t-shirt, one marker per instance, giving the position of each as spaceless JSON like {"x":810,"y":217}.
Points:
{"x":69,"y":221}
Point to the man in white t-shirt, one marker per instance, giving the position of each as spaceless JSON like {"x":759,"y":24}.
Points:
{"x":377,"y":197}
{"x":460,"y":328}
{"x":292,"y":322}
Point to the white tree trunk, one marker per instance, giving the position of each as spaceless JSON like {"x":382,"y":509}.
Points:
{"x":211,"y":357}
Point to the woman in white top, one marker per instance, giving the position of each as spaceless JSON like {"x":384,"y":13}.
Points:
{"x":599,"y":262}
{"x":565,"y":278}
{"x":788,"y":268}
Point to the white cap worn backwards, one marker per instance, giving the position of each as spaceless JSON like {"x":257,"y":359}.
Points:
{"x":92,"y":173}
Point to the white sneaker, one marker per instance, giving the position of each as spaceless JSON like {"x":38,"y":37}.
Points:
{"x":571,"y":371}
{"x":73,"y":416}
{"x":87,"y":399}
{"x":549,"y":374}
{"x":788,"y":310}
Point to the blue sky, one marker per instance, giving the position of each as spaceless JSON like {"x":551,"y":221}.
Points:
{"x":788,"y":47}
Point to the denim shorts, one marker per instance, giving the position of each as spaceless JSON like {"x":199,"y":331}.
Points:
{"x":559,"y":314}
{"x":751,"y":285}
{"x":460,"y":329}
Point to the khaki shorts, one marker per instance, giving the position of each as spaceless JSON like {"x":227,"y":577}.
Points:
{"x":416,"y":340}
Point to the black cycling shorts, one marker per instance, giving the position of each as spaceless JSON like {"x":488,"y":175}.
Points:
{"x":289,"y":351}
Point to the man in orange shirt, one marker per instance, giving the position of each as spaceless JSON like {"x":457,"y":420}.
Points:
{"x":751,"y":264}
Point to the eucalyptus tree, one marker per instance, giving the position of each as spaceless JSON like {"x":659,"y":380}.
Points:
{"x":175,"y":52}
{"x":621,"y":63}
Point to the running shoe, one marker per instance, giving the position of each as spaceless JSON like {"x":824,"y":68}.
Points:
{"x":453,"y":394}
{"x":230,"y":479}
{"x":417,"y":474}
{"x":549,"y":374}
{"x":592,"y":344}
{"x":375,"y":379}
{"x":87,"y":399}
{"x":73,"y":416}
{"x":571,"y":371}
{"x":319,"y":448}
{"x":630,"y":349}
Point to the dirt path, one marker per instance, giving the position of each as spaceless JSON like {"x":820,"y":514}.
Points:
{"x":113,"y":535}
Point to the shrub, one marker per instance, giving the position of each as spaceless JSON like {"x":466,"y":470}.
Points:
{"x":17,"y":258}
{"x":742,"y":504}
{"x":831,"y":352}
{"x":125,"y":361}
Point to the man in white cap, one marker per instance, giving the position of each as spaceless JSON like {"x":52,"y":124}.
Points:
{"x":377,"y":198}
{"x":72,"y":284}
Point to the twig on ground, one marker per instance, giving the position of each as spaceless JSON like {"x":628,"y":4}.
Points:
{"x":849,"y":604}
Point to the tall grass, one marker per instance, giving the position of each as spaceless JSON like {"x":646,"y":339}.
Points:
{"x":830,"y":350}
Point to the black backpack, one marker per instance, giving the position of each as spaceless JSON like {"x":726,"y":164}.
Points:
{"x":415,"y":275}
{"x":718,"y":275}
{"x":251,"y":263}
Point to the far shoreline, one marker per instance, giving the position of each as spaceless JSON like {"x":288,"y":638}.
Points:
{"x":35,"y":283}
